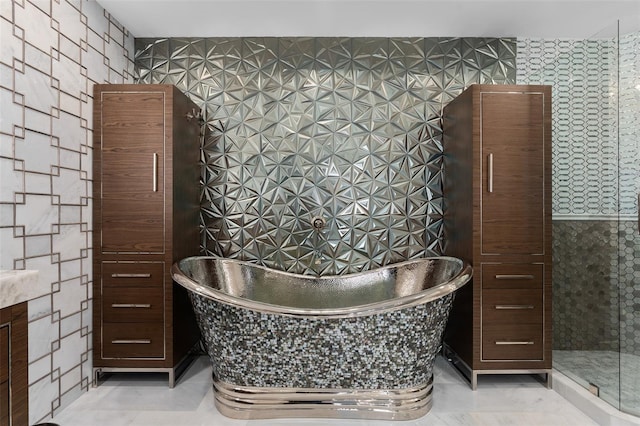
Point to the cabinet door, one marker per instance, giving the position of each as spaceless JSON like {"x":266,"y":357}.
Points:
{"x":512,"y":148}
{"x":132,"y":173}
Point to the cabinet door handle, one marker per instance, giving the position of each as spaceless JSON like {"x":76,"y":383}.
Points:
{"x":490,"y":167}
{"x":130,"y":275}
{"x":514,"y":306}
{"x":155,"y":172}
{"x":515,"y":342}
{"x":513,"y":277}
{"x":131,"y":341}
{"x":131,"y":305}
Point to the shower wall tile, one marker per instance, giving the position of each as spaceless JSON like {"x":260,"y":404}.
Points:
{"x":629,"y":242}
{"x":583,"y":74}
{"x":596,"y":172}
{"x":51,"y":54}
{"x":343,"y":128}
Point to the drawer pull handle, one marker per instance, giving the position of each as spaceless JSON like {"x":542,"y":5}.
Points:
{"x":514,"y":306}
{"x":130,"y":275}
{"x":131,"y":341}
{"x":513,"y":277}
{"x":131,"y":305}
{"x":523,"y":342}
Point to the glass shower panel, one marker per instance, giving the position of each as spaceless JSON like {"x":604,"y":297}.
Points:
{"x":585,"y":225}
{"x":629,"y":217}
{"x":584,"y":79}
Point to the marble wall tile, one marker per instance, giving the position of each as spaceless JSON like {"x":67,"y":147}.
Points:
{"x":47,"y":70}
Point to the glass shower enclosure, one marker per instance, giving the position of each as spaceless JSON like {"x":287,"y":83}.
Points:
{"x":596,"y":182}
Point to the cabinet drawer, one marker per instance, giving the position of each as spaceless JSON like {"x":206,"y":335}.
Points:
{"x":133,"y":340}
{"x":512,"y":342}
{"x":512,"y":275}
{"x":132,"y":274}
{"x":509,"y":306}
{"x":135,"y":304}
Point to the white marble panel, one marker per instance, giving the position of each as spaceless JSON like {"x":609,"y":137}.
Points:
{"x":41,"y":395}
{"x":116,"y":33}
{"x":70,"y":159}
{"x":71,"y":104}
{"x":70,"y":324}
{"x":37,"y":90}
{"x":38,"y":60}
{"x":68,"y":356}
{"x":6,"y":9}
{"x":69,"y":187}
{"x":70,"y":214}
{"x":69,"y":242}
{"x":38,"y":183}
{"x":12,"y":113}
{"x":12,"y":181}
{"x":11,"y":46}
{"x":36,"y":25}
{"x":48,"y":270}
{"x":70,"y":48}
{"x":41,"y":334}
{"x":39,"y":369}
{"x":68,"y":73}
{"x":70,"y":379}
{"x":93,"y":60}
{"x":10,"y":248}
{"x":37,"y":245}
{"x":6,"y":215}
{"x":114,"y":51}
{"x":6,"y":76}
{"x":36,"y":150}
{"x":37,"y":121}
{"x":86,"y":164}
{"x":67,"y":128}
{"x":37,"y":214}
{"x":96,"y":21}
{"x":68,"y":18}
{"x":6,"y":143}
{"x":68,"y":301}
{"x":40,"y":307}
{"x":96,"y":40}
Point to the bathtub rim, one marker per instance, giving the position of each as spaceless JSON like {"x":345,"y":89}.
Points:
{"x":415,"y":299}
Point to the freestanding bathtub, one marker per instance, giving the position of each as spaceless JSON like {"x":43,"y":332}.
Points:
{"x":351,"y":346}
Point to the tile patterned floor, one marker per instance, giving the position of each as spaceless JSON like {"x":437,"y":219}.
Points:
{"x":136,"y":400}
{"x":603,"y":368}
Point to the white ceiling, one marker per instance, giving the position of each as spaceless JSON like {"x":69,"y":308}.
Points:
{"x":370,"y":18}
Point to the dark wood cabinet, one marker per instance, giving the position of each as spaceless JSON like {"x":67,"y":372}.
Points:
{"x":497,"y":145}
{"x":14,"y":381}
{"x":146,"y":206}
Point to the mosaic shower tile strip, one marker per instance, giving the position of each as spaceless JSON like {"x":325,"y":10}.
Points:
{"x":343,"y":128}
{"x":584,"y":75}
{"x":52,"y":53}
{"x":394,"y":350}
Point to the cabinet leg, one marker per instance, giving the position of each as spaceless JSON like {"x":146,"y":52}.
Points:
{"x":172,"y":378}
{"x":474,"y":380}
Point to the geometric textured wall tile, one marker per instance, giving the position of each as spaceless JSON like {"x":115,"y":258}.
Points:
{"x":52,"y":54}
{"x":347,"y":129}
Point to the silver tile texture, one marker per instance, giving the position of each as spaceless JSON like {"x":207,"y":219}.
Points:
{"x":343,"y":128}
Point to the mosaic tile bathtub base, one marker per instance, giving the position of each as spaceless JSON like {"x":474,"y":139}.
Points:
{"x":383,"y":360}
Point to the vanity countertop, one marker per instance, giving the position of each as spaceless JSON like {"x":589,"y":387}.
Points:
{"x":20,"y":286}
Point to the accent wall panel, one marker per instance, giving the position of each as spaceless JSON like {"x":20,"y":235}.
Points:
{"x":343,"y":128}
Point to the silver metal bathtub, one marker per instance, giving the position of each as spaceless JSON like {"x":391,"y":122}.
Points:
{"x":352,"y":346}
